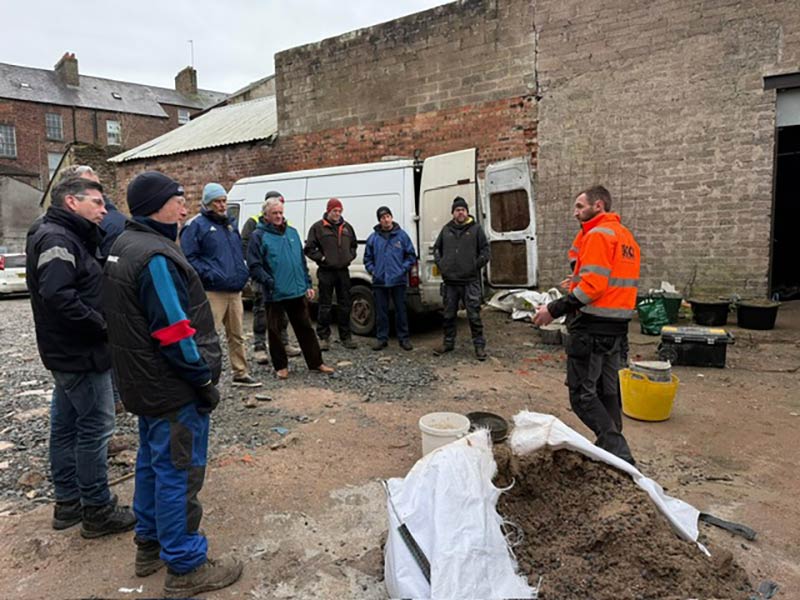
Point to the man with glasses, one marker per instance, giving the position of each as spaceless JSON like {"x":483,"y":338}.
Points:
{"x":113,"y":223}
{"x":65,"y":278}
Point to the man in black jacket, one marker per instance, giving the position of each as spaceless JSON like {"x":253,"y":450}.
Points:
{"x":460,"y":252}
{"x":113,"y":223}
{"x":167,"y":359}
{"x":332,"y":245}
{"x":64,"y":278}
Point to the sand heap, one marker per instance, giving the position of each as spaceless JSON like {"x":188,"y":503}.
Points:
{"x":590,"y":532}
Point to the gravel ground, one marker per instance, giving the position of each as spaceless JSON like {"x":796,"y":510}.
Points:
{"x":245,"y":418}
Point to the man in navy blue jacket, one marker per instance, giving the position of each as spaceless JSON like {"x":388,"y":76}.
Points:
{"x":213,"y":246}
{"x":64,"y":278}
{"x":167,"y":358}
{"x":388,"y":257}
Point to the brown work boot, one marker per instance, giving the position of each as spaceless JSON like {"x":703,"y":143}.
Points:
{"x":282,"y":373}
{"x":325,"y":369}
{"x":214,"y":574}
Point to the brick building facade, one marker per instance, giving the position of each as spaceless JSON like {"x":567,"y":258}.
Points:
{"x":663,"y":101}
{"x":42,"y":112}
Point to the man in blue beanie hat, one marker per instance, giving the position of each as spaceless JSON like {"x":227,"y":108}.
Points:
{"x":213,"y":246}
{"x":167,"y":360}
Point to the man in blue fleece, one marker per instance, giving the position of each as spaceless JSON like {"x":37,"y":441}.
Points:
{"x":213,"y":246}
{"x":167,"y":359}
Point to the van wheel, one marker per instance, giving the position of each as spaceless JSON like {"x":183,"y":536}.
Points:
{"x":362,"y":310}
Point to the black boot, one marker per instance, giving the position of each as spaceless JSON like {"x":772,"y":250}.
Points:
{"x":148,"y":557}
{"x":105,"y":520}
{"x":67,"y":514}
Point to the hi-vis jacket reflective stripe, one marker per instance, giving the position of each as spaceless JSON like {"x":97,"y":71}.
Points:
{"x":574,"y":250}
{"x":606,"y":273}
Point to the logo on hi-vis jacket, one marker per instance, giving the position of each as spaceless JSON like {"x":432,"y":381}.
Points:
{"x":627,"y":251}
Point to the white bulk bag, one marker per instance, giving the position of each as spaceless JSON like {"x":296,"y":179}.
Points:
{"x":448,"y":502}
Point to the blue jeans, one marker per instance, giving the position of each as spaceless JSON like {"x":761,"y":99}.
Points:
{"x":170,"y":469}
{"x":81,"y":423}
{"x":398,"y":297}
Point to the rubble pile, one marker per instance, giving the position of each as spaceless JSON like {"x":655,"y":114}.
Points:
{"x":589,"y":532}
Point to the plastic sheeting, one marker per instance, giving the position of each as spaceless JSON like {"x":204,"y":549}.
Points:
{"x":522,"y":303}
{"x":448,"y":502}
{"x":533,"y":431}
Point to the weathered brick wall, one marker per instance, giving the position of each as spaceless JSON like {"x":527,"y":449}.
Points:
{"x":88,"y":126}
{"x":663,"y":101}
{"x":465,"y":53}
{"x":500,"y":129}
{"x":194,"y":169}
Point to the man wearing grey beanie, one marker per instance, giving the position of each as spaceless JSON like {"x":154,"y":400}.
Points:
{"x":213,"y":246}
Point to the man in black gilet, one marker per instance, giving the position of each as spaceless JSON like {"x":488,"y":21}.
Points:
{"x":167,"y":360}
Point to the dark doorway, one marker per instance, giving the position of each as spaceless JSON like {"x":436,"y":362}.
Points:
{"x":785,"y":276}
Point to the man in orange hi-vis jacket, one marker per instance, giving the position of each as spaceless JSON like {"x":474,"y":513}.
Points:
{"x":599,"y":305}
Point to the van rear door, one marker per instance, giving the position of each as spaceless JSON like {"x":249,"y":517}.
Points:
{"x":443,"y":178}
{"x":511,"y":224}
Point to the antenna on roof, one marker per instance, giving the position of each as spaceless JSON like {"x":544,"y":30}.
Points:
{"x":191,"y":51}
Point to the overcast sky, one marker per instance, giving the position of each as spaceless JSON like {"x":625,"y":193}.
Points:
{"x":145,"y":41}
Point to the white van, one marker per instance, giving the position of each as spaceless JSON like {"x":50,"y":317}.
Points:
{"x":419,"y":194}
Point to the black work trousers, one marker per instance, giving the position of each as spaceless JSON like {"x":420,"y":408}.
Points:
{"x":330,"y":281}
{"x":593,"y":363}
{"x":452,"y":296}
{"x":260,"y":323}
{"x":297,"y":311}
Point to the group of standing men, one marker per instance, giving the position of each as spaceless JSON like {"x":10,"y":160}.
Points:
{"x":151,"y":309}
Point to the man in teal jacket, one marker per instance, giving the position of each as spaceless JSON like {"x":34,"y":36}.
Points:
{"x":276,"y":261}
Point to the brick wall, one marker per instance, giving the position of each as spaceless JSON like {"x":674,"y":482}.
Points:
{"x":465,"y":53}
{"x":660,"y":100}
{"x":194,"y":169}
{"x":663,"y":102}
{"x":500,"y":129}
{"x":88,"y":126}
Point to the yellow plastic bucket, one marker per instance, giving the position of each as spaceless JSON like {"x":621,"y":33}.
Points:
{"x":645,"y":399}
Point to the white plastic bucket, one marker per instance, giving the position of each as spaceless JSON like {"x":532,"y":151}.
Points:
{"x":441,"y":428}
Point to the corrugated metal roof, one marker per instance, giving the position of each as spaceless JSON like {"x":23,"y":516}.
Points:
{"x":223,"y":126}
{"x":41,"y":85}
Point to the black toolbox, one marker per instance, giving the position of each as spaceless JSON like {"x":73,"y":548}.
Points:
{"x":694,"y":346}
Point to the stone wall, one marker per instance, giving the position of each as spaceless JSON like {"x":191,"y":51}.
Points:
{"x":663,"y":102}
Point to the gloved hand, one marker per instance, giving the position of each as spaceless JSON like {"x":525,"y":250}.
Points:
{"x":207,"y":398}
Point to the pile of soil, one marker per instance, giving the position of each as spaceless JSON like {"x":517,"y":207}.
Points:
{"x":590,"y":532}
